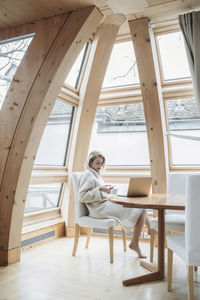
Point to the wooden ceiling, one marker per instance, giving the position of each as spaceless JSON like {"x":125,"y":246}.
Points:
{"x":17,"y":12}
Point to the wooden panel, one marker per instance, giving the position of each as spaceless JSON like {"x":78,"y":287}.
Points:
{"x":167,"y":10}
{"x":89,"y":95}
{"x":35,"y":27}
{"x":42,"y":95}
{"x":152,"y":100}
{"x":14,"y":13}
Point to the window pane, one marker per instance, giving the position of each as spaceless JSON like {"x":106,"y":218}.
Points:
{"x":184,"y":119}
{"x":54,"y":142}
{"x":120,"y":133}
{"x":11,"y":54}
{"x":74,"y":74}
{"x":122,"y":67}
{"x":173,"y":56}
{"x":42,"y":197}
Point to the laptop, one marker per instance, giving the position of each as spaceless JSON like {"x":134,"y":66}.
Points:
{"x":137,"y":187}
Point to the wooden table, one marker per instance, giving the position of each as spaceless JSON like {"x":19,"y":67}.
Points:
{"x":158,"y":202}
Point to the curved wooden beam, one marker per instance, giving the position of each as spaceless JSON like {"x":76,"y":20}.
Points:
{"x":89,"y":96}
{"x":152,"y":99}
{"x":58,"y":61}
{"x":45,"y":33}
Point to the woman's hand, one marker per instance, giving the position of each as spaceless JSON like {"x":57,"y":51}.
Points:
{"x":106,"y":189}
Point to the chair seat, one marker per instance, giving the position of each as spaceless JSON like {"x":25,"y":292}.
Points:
{"x":173,"y":222}
{"x":99,"y":223}
{"x":176,"y":242}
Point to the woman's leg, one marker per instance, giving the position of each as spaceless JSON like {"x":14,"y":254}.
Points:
{"x":147,"y":223}
{"x":134,"y":245}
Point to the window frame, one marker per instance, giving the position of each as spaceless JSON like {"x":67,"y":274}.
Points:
{"x":171,"y":166}
{"x":124,"y":170}
{"x":120,"y":40}
{"x":81,"y":73}
{"x":171,"y":90}
{"x":54,"y":174}
{"x":172,"y":81}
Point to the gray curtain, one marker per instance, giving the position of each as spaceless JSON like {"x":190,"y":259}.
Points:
{"x":190,"y":26}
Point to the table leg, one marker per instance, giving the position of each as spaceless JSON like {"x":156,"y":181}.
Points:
{"x":159,"y":274}
{"x":161,"y":243}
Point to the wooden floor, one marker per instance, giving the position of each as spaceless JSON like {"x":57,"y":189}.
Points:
{"x":49,"y":272}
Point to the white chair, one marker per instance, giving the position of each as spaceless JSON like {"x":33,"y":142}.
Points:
{"x":187,"y":245}
{"x":82,"y":219}
{"x":174,"y":219}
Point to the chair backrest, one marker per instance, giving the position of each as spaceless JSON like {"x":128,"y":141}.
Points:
{"x":176,"y":184}
{"x":80,"y":208}
{"x":192,"y":222}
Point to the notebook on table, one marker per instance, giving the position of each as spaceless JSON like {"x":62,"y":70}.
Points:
{"x":137,"y":187}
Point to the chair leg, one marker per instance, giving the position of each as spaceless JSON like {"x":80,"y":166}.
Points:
{"x":76,"y":238}
{"x":111,"y":233}
{"x":169,"y":272}
{"x":190,"y":284}
{"x":88,"y":237}
{"x":152,"y":239}
{"x":124,"y":239}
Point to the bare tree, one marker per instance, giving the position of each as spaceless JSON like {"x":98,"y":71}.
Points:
{"x":11,"y":54}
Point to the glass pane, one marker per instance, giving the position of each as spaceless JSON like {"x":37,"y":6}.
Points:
{"x":184,"y":120}
{"x":119,"y":132}
{"x":54,"y":142}
{"x":42,"y":197}
{"x":122,"y":67}
{"x":11,"y":54}
{"x":74,"y":74}
{"x":173,"y":56}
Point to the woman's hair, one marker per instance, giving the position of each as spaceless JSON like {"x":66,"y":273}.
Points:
{"x":92,"y":156}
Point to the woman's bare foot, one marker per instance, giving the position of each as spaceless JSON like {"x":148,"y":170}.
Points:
{"x":137,"y":250}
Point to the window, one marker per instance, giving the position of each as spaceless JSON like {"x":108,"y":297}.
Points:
{"x":174,"y":63}
{"x":75,"y":72}
{"x":122,"y":66}
{"x":119,"y":132}
{"x":184,"y":120}
{"x":43,"y":197}
{"x":53,"y":146}
{"x":11,"y":54}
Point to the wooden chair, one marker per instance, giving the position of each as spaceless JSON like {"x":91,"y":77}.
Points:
{"x":82,"y":219}
{"x":187,"y":245}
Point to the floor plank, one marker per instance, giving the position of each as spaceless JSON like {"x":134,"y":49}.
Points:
{"x":49,"y":272}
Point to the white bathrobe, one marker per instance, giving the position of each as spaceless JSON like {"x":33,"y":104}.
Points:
{"x":98,"y":204}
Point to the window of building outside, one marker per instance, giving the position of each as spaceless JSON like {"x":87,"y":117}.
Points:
{"x":119,"y":132}
{"x":184,"y":120}
{"x":173,"y":58}
{"x":11,"y":54}
{"x":122,"y":67}
{"x":75,"y":72}
{"x":43,"y":197}
{"x":54,"y":143}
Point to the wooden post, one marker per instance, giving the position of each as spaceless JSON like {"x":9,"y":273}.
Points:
{"x":152,"y":99}
{"x":42,"y":94}
{"x":89,"y":96}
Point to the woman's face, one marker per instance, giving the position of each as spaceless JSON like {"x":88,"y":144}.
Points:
{"x":97,"y":164}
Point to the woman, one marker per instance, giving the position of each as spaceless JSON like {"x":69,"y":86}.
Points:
{"x":94,"y":193}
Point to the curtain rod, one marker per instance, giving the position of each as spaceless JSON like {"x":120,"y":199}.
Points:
{"x":161,"y":22}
